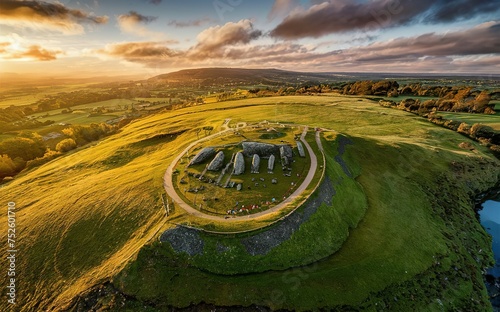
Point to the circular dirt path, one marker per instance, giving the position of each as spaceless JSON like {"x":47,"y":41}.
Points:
{"x":169,"y":186}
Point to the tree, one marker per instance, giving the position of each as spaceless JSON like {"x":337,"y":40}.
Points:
{"x":66,"y":145}
{"x":25,"y":148}
{"x":7,"y":167}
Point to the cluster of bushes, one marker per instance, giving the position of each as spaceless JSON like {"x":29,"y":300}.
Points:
{"x":486,"y":135}
{"x":30,"y":150}
{"x":452,"y":99}
{"x":381,"y":88}
{"x":478,"y":104}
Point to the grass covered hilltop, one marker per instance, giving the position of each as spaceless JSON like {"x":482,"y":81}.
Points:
{"x":390,"y":227}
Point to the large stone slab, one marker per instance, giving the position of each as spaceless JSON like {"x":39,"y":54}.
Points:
{"x":270,"y":163}
{"x":217,"y":163}
{"x":202,"y":156}
{"x":255,"y":163}
{"x":262,"y":149}
{"x":286,"y":151}
{"x":239,"y":164}
{"x":300,"y":147}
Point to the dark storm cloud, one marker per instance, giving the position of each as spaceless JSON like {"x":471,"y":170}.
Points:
{"x":337,"y":16}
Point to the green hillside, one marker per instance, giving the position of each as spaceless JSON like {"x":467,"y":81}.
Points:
{"x":83,"y":218}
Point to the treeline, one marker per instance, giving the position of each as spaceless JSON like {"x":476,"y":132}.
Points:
{"x":484,"y":134}
{"x":463,"y":101}
{"x":451,"y":99}
{"x":30,"y":150}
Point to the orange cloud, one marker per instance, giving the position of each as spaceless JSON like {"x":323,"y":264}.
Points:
{"x":213,"y":41}
{"x":131,"y":23}
{"x":44,"y":15}
{"x":3,"y":45}
{"x":34,"y":52}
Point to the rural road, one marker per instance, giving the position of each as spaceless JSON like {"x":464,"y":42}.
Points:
{"x":169,"y":186}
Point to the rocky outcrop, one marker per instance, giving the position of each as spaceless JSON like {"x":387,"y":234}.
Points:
{"x":270,"y":163}
{"x":300,"y":147}
{"x":239,"y":164}
{"x":217,"y":163}
{"x":202,"y":156}
{"x":262,"y":149}
{"x":255,"y":163}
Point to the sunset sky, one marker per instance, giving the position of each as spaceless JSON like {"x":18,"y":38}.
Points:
{"x":150,"y":37}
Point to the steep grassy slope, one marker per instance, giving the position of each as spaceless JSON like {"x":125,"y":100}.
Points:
{"x":82,"y":217}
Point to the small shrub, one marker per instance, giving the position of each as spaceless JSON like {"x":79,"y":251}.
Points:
{"x":66,"y":145}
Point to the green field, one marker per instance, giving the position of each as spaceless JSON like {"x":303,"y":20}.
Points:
{"x":78,"y":118}
{"x":418,"y":227}
{"x":19,"y":97}
{"x":404,"y":97}
{"x":490,"y":120}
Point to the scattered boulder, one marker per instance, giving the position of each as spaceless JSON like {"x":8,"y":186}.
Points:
{"x":255,"y":163}
{"x":239,"y":164}
{"x":202,"y":156}
{"x":300,"y":147}
{"x":274,"y":181}
{"x":270,"y":163}
{"x":217,"y":163}
{"x":239,"y":187}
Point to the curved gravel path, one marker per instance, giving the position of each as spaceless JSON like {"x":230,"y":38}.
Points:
{"x":169,"y":186}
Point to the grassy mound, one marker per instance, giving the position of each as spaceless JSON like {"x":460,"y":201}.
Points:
{"x":418,"y":232}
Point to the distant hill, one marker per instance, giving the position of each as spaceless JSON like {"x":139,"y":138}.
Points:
{"x":217,"y":77}
{"x":240,"y":76}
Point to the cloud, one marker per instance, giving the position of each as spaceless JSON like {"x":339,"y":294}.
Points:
{"x":32,"y":52}
{"x":196,"y":23}
{"x":450,"y":11}
{"x":482,"y":39}
{"x":470,"y":50}
{"x":3,"y":45}
{"x":132,"y":23}
{"x":338,"y":16}
{"x":141,"y":52}
{"x":281,"y":8}
{"x":213,"y":40}
{"x":136,"y":18}
{"x":44,"y":15}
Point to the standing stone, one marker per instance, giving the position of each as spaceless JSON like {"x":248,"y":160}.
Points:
{"x":202,"y":156}
{"x":217,"y":163}
{"x":239,"y":186}
{"x":270,"y":163}
{"x":300,"y":147}
{"x":239,"y":164}
{"x":255,"y":163}
{"x":286,"y":151}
